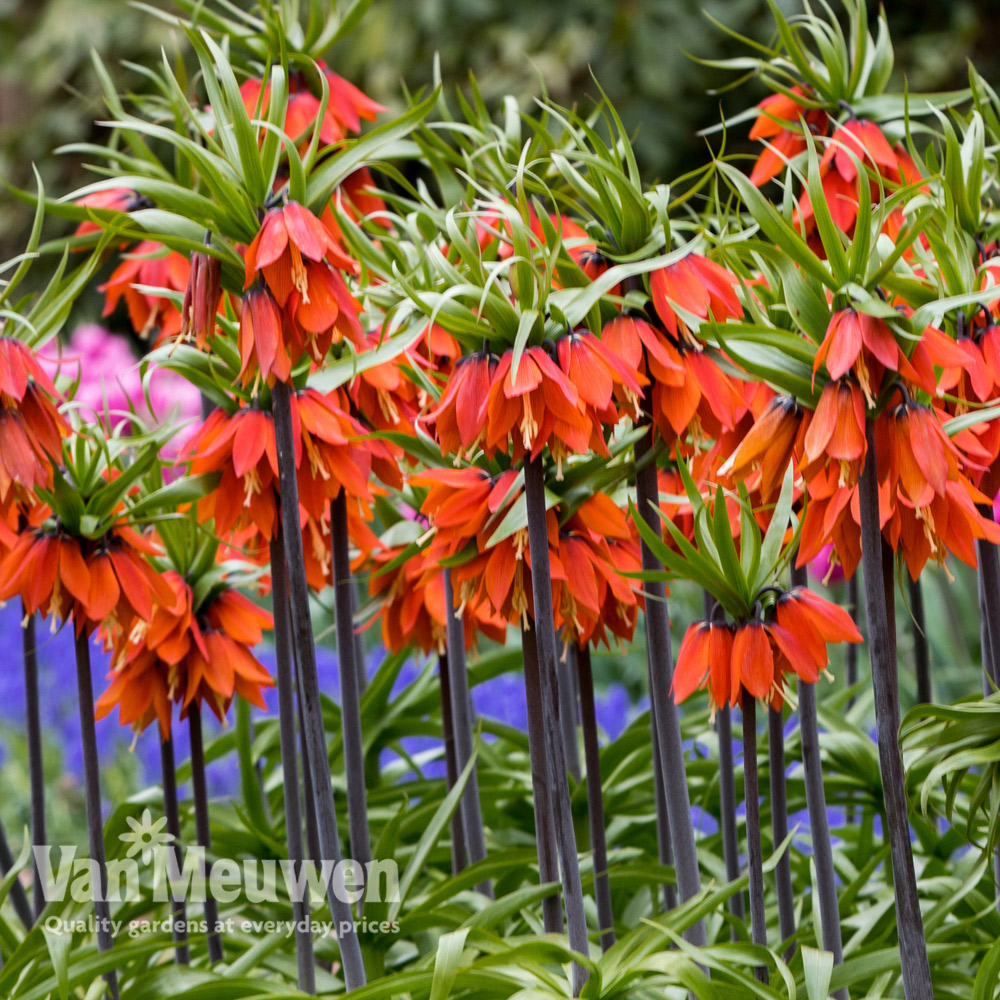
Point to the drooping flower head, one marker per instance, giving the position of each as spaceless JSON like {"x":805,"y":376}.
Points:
{"x":31,"y":428}
{"x":202,"y":298}
{"x":855,"y":340}
{"x":185,"y":654}
{"x":95,"y":582}
{"x":756,"y":654}
{"x":346,"y":107}
{"x":413,"y":611}
{"x":331,"y":454}
{"x":778,"y":125}
{"x":300,"y":303}
{"x":152,"y":265}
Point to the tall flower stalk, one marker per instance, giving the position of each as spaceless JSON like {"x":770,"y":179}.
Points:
{"x":202,"y":826}
{"x":668,"y":735}
{"x":461,"y":706}
{"x":305,"y":657}
{"x":542,"y":785}
{"x":350,"y":683}
{"x":595,"y":798}
{"x":819,"y":822}
{"x":458,"y":852}
{"x":727,"y":808}
{"x":33,"y":730}
{"x":988,"y":578}
{"x":92,"y":794}
{"x":921,"y":646}
{"x":545,"y":642}
{"x":779,"y":825}
{"x":569,"y":710}
{"x":289,"y":762}
{"x":171,"y":811}
{"x":851,"y":604}
{"x":755,"y":858}
{"x":881,"y":645}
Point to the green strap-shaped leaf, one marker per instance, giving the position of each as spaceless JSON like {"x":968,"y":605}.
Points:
{"x":427,"y":842}
{"x":449,"y":953}
{"x":331,"y":174}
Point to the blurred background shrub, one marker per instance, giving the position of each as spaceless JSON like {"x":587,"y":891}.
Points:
{"x":637,"y":49}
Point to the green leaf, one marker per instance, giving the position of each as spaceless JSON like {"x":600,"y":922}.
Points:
{"x":347,"y":368}
{"x":449,"y":954}
{"x":988,"y":975}
{"x":507,"y":906}
{"x":524,"y":327}
{"x":983,"y":415}
{"x":805,"y":299}
{"x":20,"y":863}
{"x":351,"y":18}
{"x":726,"y":546}
{"x":775,"y":226}
{"x":253,"y":799}
{"x":430,"y":837}
{"x":186,"y":489}
{"x":331,"y":174}
{"x":59,"y":944}
{"x":770,"y":552}
{"x":818,"y":967}
{"x":277,"y":108}
{"x":830,"y":236}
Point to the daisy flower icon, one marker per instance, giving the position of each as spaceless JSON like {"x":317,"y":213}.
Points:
{"x":146,"y":836}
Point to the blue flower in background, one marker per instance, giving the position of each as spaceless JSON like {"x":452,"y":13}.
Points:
{"x":500,"y":699}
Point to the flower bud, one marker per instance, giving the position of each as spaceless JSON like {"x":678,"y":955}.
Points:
{"x":202,"y":298}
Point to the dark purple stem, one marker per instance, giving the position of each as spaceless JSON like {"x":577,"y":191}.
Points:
{"x":171,"y":811}
{"x":92,"y":791}
{"x":595,"y":798}
{"x":881,"y":645}
{"x":304,"y":955}
{"x":305,"y":656}
{"x":819,"y":825}
{"x":33,"y":728}
{"x":350,"y":684}
{"x":199,"y":793}
{"x":569,"y":708}
{"x":541,"y":785}
{"x":727,"y":810}
{"x":755,"y":854}
{"x":458,"y":858}
{"x":472,"y":815}
{"x":921,"y":648}
{"x":779,"y":827}
{"x":667,"y":721}
{"x":545,"y":639}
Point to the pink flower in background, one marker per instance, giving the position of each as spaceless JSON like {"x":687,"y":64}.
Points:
{"x":824,"y":569}
{"x":996,"y":507}
{"x":108,"y":378}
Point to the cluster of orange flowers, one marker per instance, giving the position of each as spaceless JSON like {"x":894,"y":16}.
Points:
{"x":178,"y":655}
{"x":934,"y":489}
{"x":756,"y":655}
{"x":165,"y":649}
{"x":565,"y":397}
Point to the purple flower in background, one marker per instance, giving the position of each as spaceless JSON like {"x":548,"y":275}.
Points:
{"x":108,"y":379}
{"x":614,"y":710}
{"x":824,"y":569}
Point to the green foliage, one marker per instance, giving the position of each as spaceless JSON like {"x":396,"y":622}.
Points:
{"x":737,"y":579}
{"x":453,"y":942}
